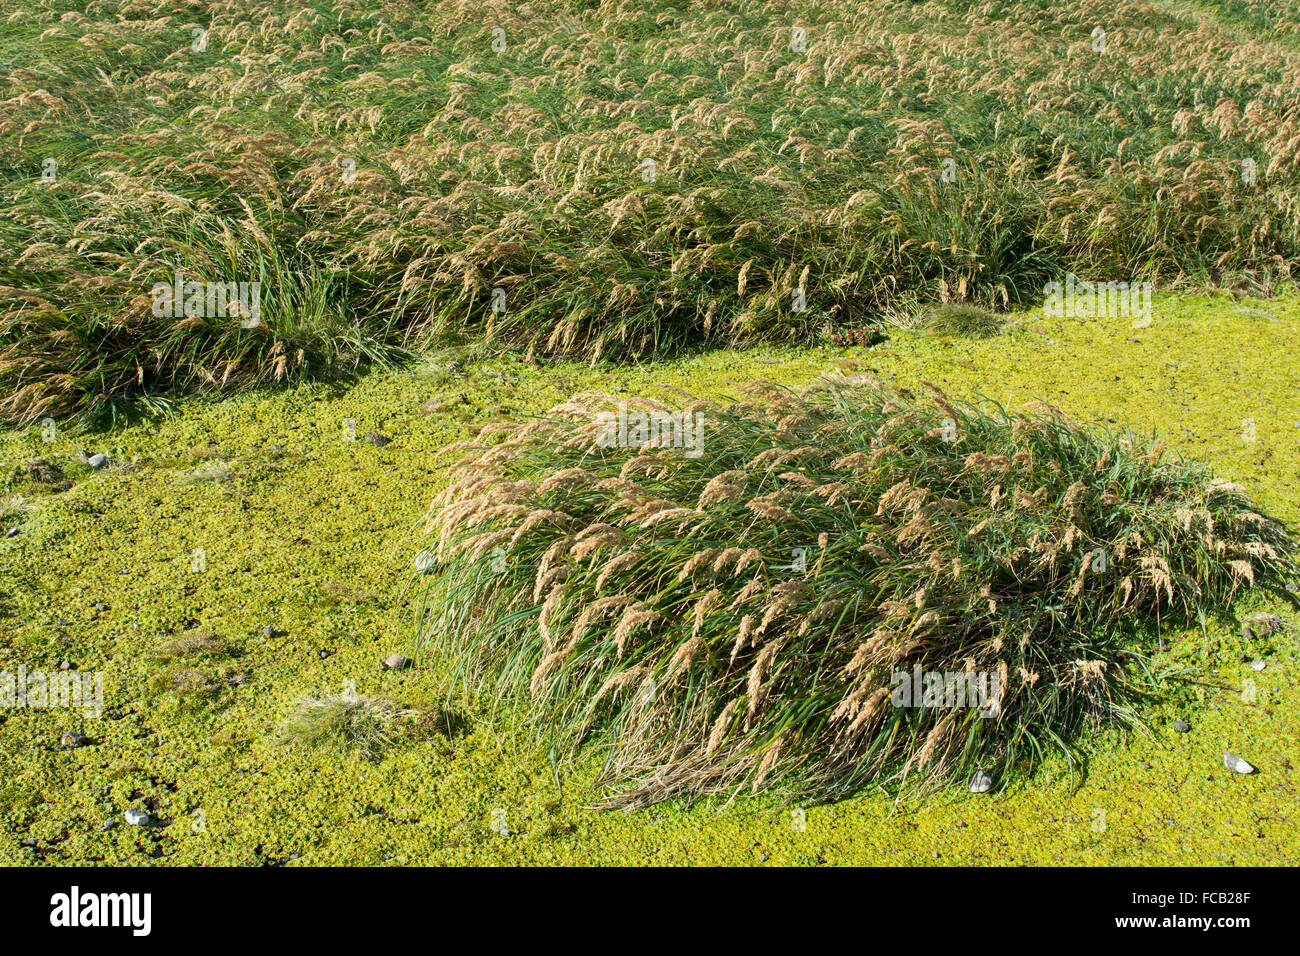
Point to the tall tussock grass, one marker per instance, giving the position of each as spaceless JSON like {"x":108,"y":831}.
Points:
{"x":649,"y":605}
{"x":612,"y":180}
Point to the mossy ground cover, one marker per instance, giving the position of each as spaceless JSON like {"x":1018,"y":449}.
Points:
{"x":311,"y":535}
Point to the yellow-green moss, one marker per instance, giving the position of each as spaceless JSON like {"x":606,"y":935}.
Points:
{"x":311,"y":538}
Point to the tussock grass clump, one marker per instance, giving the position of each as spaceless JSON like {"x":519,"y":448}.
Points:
{"x":652,"y":605}
{"x":346,"y":722}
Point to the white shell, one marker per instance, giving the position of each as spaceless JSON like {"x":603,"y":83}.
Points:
{"x":1235,"y":763}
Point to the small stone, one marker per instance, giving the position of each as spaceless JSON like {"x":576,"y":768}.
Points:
{"x":99,"y":606}
{"x":324,"y":654}
{"x":1235,"y":763}
{"x":1182,"y":726}
{"x":65,"y":665}
{"x":396,"y":662}
{"x":137,"y":818}
{"x":12,"y":532}
{"x":97,"y":461}
{"x":980,"y":782}
{"x":72,"y":739}
{"x":107,"y":825}
{"x":1257,"y":665}
{"x":268,"y":631}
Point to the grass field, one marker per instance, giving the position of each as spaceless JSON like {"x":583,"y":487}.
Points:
{"x":278,"y":262}
{"x":313,"y":536}
{"x":630,"y":177}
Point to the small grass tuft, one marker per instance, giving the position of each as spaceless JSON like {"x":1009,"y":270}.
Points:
{"x":962,"y":320}
{"x":197,"y":643}
{"x":346,"y":722}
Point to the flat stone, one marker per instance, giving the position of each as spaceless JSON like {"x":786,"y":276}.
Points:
{"x":396,"y":662}
{"x":97,"y":461}
{"x":137,"y":818}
